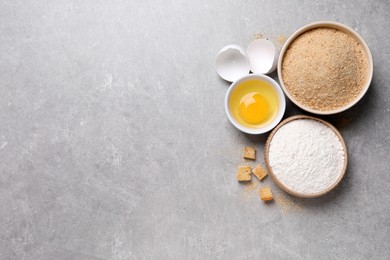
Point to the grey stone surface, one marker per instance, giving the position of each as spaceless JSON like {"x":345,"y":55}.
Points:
{"x":114,"y":142}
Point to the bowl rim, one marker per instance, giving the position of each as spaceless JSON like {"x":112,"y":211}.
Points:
{"x":334,"y":25}
{"x":281,"y":108}
{"x":281,"y":185}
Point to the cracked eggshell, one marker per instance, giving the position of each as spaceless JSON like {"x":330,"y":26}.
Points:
{"x":232,"y":63}
{"x":263,"y":56}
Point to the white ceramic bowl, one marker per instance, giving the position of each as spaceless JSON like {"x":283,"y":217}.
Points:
{"x":270,"y":125}
{"x":342,"y":28}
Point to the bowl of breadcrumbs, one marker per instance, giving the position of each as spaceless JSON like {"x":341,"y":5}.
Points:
{"x":325,"y":67}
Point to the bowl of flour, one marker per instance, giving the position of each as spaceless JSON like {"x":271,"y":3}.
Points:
{"x":306,"y":156}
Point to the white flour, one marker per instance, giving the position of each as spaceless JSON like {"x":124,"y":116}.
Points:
{"x":306,"y":156}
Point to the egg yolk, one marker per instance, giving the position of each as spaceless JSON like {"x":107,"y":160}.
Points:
{"x":254,"y":108}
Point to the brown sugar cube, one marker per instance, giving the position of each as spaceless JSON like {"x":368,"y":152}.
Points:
{"x":259,"y":172}
{"x":244,"y":173}
{"x":266,"y":194}
{"x":249,"y":153}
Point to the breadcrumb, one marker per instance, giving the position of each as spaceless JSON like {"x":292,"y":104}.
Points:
{"x":249,"y":153}
{"x":244,"y":173}
{"x":259,"y":172}
{"x":266,"y":194}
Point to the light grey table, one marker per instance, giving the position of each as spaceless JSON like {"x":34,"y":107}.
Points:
{"x":114,"y":142}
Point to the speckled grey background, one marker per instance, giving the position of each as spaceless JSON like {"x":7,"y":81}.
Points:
{"x":114,"y":142}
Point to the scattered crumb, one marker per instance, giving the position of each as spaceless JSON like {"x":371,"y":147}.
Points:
{"x":281,"y":39}
{"x":266,"y":194}
{"x":249,"y":153}
{"x":249,"y":189}
{"x":259,"y":172}
{"x":258,"y":36}
{"x":250,"y":186}
{"x":244,"y":173}
{"x":287,"y":204}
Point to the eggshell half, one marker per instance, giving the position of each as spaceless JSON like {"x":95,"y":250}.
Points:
{"x":232,"y":63}
{"x":263,"y":56}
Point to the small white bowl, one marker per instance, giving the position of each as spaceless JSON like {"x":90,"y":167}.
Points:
{"x":270,"y":125}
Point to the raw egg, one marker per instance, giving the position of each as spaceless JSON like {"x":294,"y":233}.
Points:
{"x":254,"y":108}
{"x":254,"y":103}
